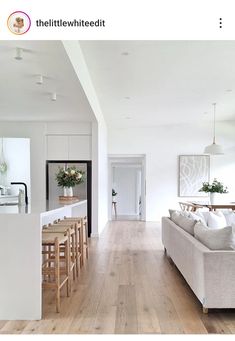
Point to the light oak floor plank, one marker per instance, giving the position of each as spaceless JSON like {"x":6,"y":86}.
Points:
{"x":127,"y":286}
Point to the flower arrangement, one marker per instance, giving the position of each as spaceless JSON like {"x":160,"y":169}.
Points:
{"x":69,"y":177}
{"x":215,"y":187}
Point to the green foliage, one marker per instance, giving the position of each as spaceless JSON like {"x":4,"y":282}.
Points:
{"x":69,"y":177}
{"x":215,"y":187}
{"x":114,"y":193}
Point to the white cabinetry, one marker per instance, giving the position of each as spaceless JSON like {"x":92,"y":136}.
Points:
{"x":57,"y":147}
{"x":79,"y":147}
{"x":68,"y":147}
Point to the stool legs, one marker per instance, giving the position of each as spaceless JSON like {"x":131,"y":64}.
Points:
{"x":57,"y":274}
{"x":67,"y":259}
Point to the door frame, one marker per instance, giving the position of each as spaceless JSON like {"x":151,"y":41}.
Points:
{"x":128,"y":159}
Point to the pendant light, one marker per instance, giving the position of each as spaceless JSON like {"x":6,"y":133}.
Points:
{"x":18,"y":55}
{"x":53,"y":96}
{"x":3,"y":164}
{"x":39,"y":79}
{"x":214,"y":149}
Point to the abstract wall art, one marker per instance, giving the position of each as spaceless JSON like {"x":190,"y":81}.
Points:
{"x":193,"y":171}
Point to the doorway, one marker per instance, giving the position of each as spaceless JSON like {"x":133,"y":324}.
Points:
{"x":127,"y":187}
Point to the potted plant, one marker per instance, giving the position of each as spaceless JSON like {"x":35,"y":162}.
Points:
{"x":114,"y":193}
{"x":68,"y":178}
{"x":213,"y":188}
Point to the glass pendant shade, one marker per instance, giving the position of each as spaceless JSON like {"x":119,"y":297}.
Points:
{"x":214,"y":149}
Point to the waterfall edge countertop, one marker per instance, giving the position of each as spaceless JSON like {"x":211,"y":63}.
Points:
{"x":21,"y":255}
{"x":48,"y":206}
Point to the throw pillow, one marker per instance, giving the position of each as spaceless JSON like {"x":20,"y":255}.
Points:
{"x":185,"y":223}
{"x":215,"y":239}
{"x":184,"y":213}
{"x":216,"y":220}
{"x":230,"y":217}
{"x":198,"y":216}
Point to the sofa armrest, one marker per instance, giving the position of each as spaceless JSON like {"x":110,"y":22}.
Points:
{"x":219,"y":279}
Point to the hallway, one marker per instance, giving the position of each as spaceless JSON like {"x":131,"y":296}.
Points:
{"x":128,"y":286}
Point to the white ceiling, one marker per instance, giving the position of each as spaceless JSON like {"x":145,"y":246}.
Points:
{"x":142,"y":83}
{"x":22,"y":99}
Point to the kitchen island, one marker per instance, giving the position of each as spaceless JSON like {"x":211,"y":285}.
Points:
{"x":20,"y":255}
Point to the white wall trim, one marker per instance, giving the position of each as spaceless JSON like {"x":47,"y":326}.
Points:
{"x":95,"y":235}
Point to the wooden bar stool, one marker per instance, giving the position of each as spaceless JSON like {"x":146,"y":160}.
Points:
{"x":78,"y":240}
{"x":55,"y":228}
{"x":54,"y":275}
{"x":84,"y":224}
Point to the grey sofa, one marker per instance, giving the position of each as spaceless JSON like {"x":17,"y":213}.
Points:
{"x":210,"y":274}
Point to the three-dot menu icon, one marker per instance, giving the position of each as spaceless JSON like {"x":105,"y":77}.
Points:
{"x":220,"y":23}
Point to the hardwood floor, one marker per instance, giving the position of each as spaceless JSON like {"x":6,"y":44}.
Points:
{"x":128,"y":286}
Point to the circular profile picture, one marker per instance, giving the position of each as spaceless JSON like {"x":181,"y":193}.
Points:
{"x":18,"y":22}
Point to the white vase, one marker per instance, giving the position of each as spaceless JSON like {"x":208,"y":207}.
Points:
{"x":68,"y":191}
{"x":114,"y":199}
{"x":213,"y":198}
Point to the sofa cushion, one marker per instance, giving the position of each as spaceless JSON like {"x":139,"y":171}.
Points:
{"x":216,"y":220}
{"x":186,"y":223}
{"x":215,"y":239}
{"x":230,"y":217}
{"x":199,"y":216}
{"x":184,"y":213}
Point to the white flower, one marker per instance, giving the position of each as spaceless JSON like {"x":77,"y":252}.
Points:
{"x":72,"y":172}
{"x":79,"y":175}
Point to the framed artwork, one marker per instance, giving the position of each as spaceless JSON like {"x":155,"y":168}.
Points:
{"x":193,"y":171}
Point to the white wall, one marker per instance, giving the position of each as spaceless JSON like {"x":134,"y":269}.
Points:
{"x":17,"y":157}
{"x":99,"y":178}
{"x":162,"y":146}
{"x":103,"y":176}
{"x":36,"y":133}
{"x":99,"y":139}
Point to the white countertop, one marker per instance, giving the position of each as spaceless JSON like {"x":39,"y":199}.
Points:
{"x":8,"y":196}
{"x":21,"y":255}
{"x":38,"y":208}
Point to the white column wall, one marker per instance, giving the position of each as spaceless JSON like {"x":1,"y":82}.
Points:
{"x":99,"y":138}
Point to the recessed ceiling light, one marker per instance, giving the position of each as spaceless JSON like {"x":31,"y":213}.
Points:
{"x":125,"y":53}
{"x":53,"y":96}
{"x":39,"y":79}
{"x":18,"y":55}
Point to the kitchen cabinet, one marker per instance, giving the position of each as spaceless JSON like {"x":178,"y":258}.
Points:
{"x":68,"y":147}
{"x":57,"y":147}
{"x":79,"y":147}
